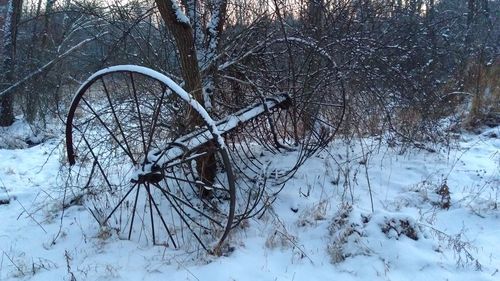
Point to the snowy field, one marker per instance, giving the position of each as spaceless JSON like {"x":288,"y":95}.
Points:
{"x":435,"y":217}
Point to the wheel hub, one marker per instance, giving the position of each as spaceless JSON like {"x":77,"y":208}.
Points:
{"x":148,"y":174}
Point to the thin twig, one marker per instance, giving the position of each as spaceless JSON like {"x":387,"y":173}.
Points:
{"x":13,"y":263}
{"x":30,"y":216}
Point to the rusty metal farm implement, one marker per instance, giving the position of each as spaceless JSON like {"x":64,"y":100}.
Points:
{"x":135,"y":156}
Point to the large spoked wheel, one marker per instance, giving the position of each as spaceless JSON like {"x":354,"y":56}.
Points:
{"x":142,"y":178}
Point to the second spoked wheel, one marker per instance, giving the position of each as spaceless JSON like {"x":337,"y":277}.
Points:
{"x":141,"y":177}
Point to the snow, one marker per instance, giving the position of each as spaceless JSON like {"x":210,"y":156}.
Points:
{"x":22,"y":135}
{"x":210,"y":51}
{"x":321,"y":226}
{"x":181,"y":17}
{"x":207,"y":95}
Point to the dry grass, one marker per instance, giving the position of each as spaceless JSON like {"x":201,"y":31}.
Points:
{"x":482,"y":82}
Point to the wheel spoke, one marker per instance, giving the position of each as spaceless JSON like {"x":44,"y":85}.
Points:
{"x":115,"y":116}
{"x":96,"y":160}
{"x":181,"y":216}
{"x":162,"y":219}
{"x":151,"y":213}
{"x":155,"y":120}
{"x":134,"y":91}
{"x":119,"y":203}
{"x":129,"y":153}
{"x":187,"y":204}
{"x":133,"y":213}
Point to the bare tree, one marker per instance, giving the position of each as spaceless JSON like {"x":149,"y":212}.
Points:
{"x":8,"y":51}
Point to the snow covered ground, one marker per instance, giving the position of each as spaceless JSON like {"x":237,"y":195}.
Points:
{"x":435,"y":217}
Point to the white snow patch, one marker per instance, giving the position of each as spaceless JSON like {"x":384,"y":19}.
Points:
{"x":290,"y":242}
{"x":181,"y":17}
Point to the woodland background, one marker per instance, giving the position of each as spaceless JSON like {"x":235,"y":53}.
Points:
{"x":405,"y":64}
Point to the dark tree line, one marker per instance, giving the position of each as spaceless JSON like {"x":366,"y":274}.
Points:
{"x":403,"y":64}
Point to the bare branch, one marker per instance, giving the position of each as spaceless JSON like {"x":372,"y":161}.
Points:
{"x":50,"y":64}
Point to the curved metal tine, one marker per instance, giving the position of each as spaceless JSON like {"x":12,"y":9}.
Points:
{"x":250,"y":198}
{"x":239,"y":169}
{"x":222,"y":189}
{"x":284,"y":133}
{"x":185,"y":202}
{"x":190,"y":206}
{"x":281,"y":134}
{"x":259,"y":126}
{"x":181,"y":216}
{"x":245,"y":159}
{"x":184,"y":160}
{"x":234,"y":146}
{"x":211,"y":205}
{"x":161,"y":217}
{"x":236,"y":167}
{"x":252,"y":135}
{"x":281,"y":118}
{"x":188,"y":181}
{"x":166,"y":149}
{"x":323,"y":122}
{"x":137,"y":105}
{"x":194,"y":184}
{"x":249,"y":154}
{"x":313,"y":133}
{"x":309,"y":94}
{"x":129,"y":153}
{"x":202,"y":228}
{"x":187,"y":170}
{"x":247,"y":144}
{"x":252,"y":201}
{"x":181,"y":145}
{"x":114,"y":114}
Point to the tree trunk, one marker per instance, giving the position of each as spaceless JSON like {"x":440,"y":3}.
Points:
{"x":49,"y":7}
{"x":180,"y":27}
{"x":8,"y":51}
{"x":183,"y":35}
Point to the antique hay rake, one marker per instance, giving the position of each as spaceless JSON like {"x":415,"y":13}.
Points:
{"x":137,"y":159}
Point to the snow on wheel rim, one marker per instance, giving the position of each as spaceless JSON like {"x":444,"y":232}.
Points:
{"x":155,"y":75}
